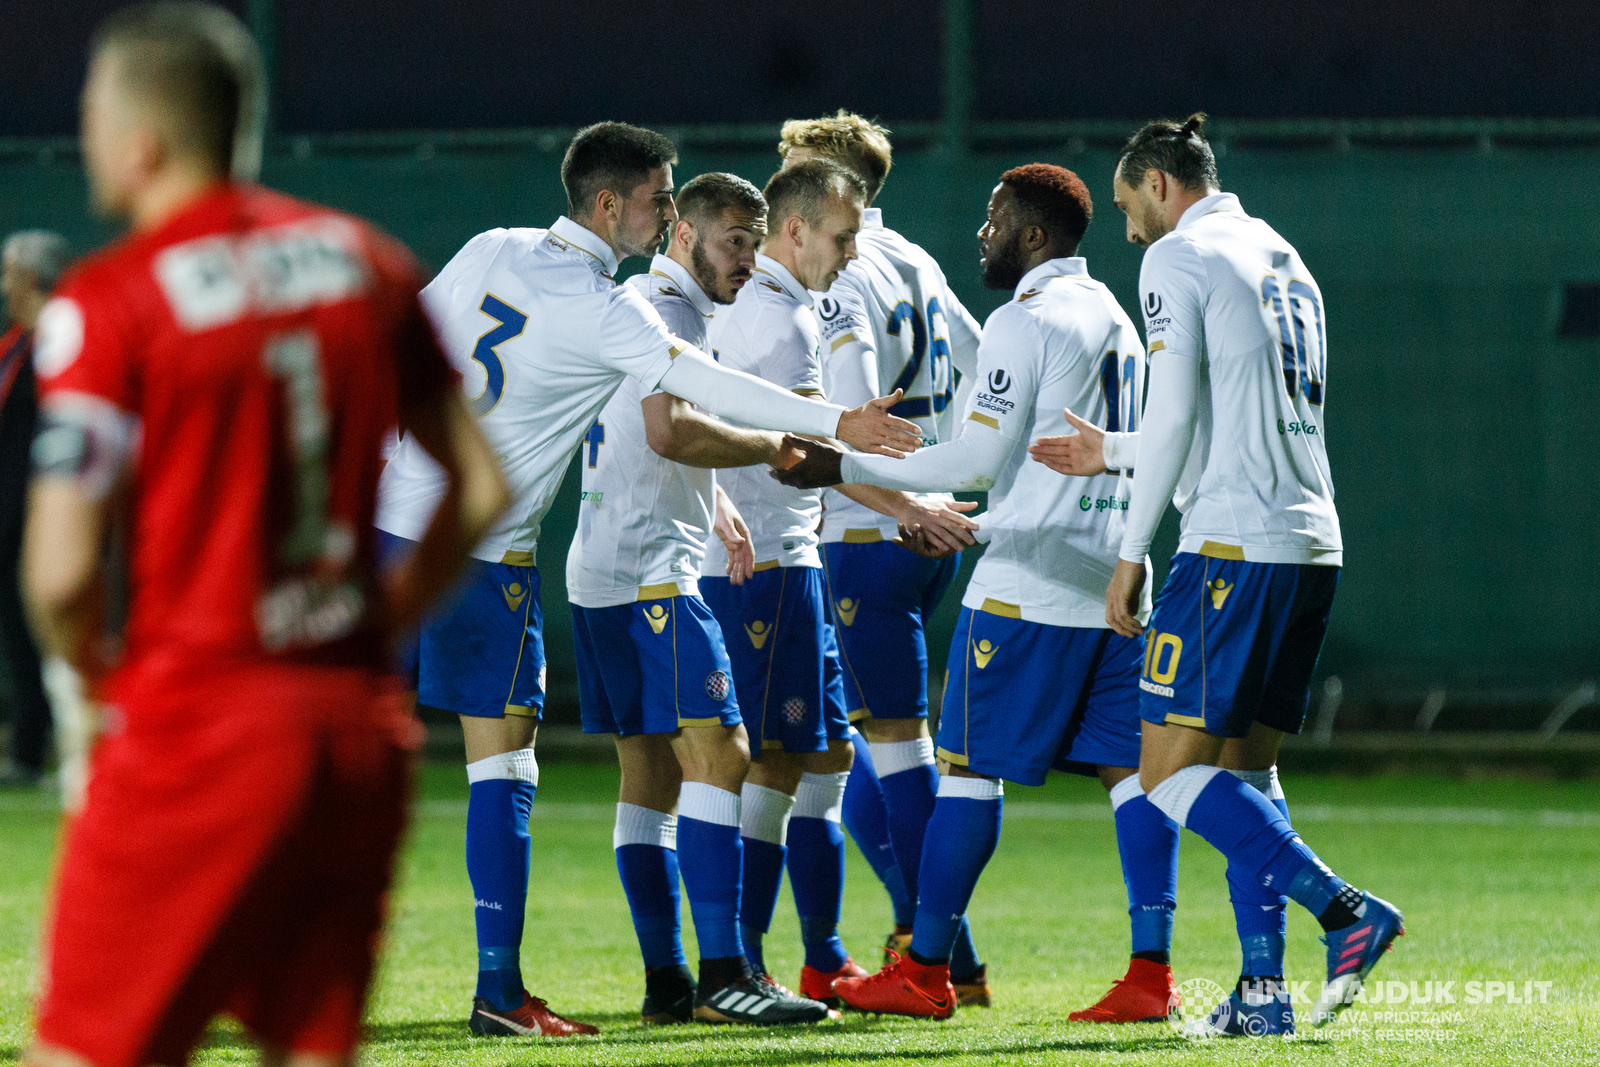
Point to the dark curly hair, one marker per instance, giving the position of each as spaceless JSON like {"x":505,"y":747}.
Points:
{"x":1057,"y":201}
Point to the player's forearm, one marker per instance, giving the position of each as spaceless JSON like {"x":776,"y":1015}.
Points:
{"x":732,"y":394}
{"x":890,"y":502}
{"x":1120,"y":451}
{"x":970,"y":463}
{"x":62,"y":583}
{"x":697,"y":440}
{"x":1171,"y":414}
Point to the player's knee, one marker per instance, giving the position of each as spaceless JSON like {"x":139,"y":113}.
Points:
{"x":836,"y":759}
{"x":890,"y":731}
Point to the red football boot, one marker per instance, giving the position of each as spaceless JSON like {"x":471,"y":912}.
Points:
{"x":533,"y":1019}
{"x":818,"y":985}
{"x":1143,"y":995}
{"x":905,"y":987}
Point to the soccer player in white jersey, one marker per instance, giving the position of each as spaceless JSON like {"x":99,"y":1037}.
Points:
{"x":1233,"y":426}
{"x":653,"y":668}
{"x":1037,"y":679}
{"x":543,"y":336}
{"x":890,"y":320}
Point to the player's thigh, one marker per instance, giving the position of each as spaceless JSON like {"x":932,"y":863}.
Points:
{"x":1286,"y":695}
{"x":877,"y":594}
{"x":651,"y":776}
{"x":716,"y":755}
{"x":1104,"y":732}
{"x":481,"y":653}
{"x":1010,"y":699}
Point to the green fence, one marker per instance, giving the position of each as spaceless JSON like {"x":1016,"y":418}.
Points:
{"x":1461,"y":428}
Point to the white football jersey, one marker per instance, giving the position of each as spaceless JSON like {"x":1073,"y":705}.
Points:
{"x":769,"y":331}
{"x":542,"y":335}
{"x":1228,"y":290}
{"x":643,"y":521}
{"x":1063,"y":341}
{"x":893,"y":308}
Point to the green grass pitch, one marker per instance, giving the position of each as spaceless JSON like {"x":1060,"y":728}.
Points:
{"x":1497,"y":886}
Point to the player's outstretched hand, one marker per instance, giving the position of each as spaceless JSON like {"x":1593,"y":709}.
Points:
{"x":915,"y":539}
{"x":818,"y":470}
{"x":1123,"y":596}
{"x":1081,"y":453}
{"x":943,"y":525}
{"x":870,"y":428}
{"x":735,"y":536}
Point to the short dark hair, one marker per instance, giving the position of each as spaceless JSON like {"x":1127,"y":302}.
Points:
{"x":1057,"y":201}
{"x":711,"y":194}
{"x":611,"y":155}
{"x":1179,"y":149}
{"x":805,"y":189}
{"x":199,"y":65}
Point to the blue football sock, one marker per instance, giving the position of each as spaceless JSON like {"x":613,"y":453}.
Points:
{"x":1147,"y":841}
{"x":816,"y":867}
{"x":1246,"y":828}
{"x":499,"y":802}
{"x":910,"y":781}
{"x":712,"y":858}
{"x":1259,"y":914}
{"x":867,"y":819}
{"x":964,"y":961}
{"x":764,"y":824}
{"x":647,"y":861}
{"x":961,"y":837}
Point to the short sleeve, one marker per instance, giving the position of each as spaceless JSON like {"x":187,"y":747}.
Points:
{"x":85,"y":343}
{"x":1171,"y":288}
{"x":1009,"y":359}
{"x":634,"y":339}
{"x":790,"y":358}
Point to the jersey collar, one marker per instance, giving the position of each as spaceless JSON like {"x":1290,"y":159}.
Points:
{"x":671,"y":269}
{"x":872,"y":218}
{"x":1209,"y":205}
{"x":1066,"y":266}
{"x":576,"y":234}
{"x":778,"y":273}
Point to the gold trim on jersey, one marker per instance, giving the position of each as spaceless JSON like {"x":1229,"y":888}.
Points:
{"x":770,"y":743}
{"x":992,"y":606}
{"x":1157,"y":346}
{"x":808,"y":392}
{"x":859,"y":715}
{"x":672,"y":353}
{"x":711,"y":721}
{"x":1219,"y":550}
{"x":658,"y":592}
{"x":522,"y":711}
{"x":1198,"y":722}
{"x":766,"y":565}
{"x":846,"y":339}
{"x":992,"y":423}
{"x":514,"y":558}
{"x":950,"y":757}
{"x":567,"y":246}
{"x":869,"y":536}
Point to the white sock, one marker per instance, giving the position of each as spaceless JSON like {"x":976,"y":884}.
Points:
{"x":820,"y":796}
{"x":700,"y":800}
{"x":517,"y":765}
{"x":1177,"y":794}
{"x":892,"y":757}
{"x":1125,"y":791}
{"x":765,"y":813}
{"x":638,"y":825}
{"x":971,"y":788}
{"x":1266,"y":781}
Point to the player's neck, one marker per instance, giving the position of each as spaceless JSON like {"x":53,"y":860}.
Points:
{"x":784,"y":253}
{"x":169,"y":191}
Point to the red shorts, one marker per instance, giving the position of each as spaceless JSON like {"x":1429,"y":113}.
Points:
{"x":233,"y":854}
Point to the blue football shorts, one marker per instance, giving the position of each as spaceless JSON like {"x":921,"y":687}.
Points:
{"x":480,"y":652}
{"x":1232,"y":643}
{"x":773,"y":624}
{"x":881,"y":596}
{"x":1024,"y":697}
{"x":835,"y":714}
{"x":652,"y":667}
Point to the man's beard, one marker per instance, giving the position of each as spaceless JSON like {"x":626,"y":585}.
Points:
{"x":720,"y":291}
{"x":1004,"y":270}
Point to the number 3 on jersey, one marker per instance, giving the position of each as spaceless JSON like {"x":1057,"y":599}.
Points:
{"x":511,"y":324}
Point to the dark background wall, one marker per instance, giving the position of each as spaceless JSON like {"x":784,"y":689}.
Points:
{"x":412,"y":64}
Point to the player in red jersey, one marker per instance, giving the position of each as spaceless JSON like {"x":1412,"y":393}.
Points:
{"x":224,"y":378}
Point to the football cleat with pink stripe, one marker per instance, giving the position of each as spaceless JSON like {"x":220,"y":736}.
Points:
{"x":1353,"y":952}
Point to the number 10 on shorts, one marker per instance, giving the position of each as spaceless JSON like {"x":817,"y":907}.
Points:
{"x":1161,"y":654}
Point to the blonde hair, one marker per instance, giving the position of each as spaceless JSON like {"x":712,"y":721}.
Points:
{"x":858,"y":143}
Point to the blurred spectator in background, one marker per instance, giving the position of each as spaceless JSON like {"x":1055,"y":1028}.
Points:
{"x":30,"y":263}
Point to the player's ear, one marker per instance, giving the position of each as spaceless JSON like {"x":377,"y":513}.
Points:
{"x":794,"y":228}
{"x":607,"y":203}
